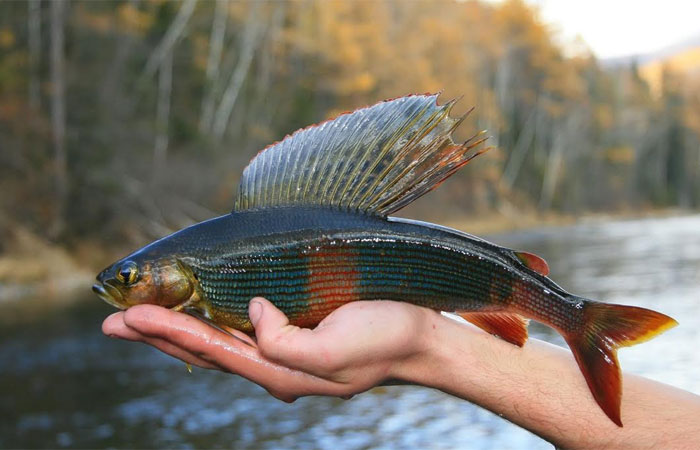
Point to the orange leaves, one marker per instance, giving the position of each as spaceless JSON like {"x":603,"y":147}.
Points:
{"x":7,"y":38}
{"x":134,"y":19}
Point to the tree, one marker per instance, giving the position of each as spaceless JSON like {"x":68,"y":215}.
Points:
{"x":58,"y":114}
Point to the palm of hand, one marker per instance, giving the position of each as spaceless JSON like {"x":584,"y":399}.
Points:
{"x":358,"y":346}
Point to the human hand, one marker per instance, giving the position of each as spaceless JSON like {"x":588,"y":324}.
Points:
{"x":355,"y":348}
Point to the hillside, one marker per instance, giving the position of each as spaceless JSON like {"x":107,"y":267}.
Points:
{"x":684,"y":62}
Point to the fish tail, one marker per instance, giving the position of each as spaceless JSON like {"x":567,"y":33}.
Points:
{"x":606,"y":328}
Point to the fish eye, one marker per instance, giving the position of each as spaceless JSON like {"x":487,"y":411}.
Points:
{"x":127,"y":273}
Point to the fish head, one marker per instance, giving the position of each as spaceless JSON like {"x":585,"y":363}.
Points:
{"x":139,"y":279}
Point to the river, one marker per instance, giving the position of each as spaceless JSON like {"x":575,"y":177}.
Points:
{"x":63,"y":384}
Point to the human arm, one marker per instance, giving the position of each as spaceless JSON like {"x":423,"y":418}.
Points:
{"x":539,"y":387}
{"x":364,"y":344}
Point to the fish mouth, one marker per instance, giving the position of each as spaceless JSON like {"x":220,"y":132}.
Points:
{"x":109,"y":294}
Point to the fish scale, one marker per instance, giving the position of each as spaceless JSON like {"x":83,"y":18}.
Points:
{"x":395,"y":267}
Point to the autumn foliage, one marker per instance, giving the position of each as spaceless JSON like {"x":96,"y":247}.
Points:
{"x":165,"y":102}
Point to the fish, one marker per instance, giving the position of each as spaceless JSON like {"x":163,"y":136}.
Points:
{"x":311,"y":230}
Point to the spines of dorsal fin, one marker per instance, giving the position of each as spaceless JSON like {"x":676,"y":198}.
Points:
{"x":374,"y":160}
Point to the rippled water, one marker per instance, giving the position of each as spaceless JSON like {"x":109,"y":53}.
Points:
{"x":62,"y":384}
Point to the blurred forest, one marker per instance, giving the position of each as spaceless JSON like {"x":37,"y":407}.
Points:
{"x":123,"y":120}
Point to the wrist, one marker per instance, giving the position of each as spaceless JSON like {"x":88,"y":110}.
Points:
{"x":438,"y":342}
{"x":456,"y":358}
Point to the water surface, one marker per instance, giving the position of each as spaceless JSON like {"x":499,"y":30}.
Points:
{"x":63,"y":384}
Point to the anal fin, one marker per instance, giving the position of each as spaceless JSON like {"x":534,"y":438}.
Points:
{"x":508,"y":326}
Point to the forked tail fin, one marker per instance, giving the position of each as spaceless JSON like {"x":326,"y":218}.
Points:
{"x":608,"y":327}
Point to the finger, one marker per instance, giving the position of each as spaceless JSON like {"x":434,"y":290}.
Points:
{"x":114,"y":326}
{"x":289,"y":345}
{"x":229,"y":353}
{"x":181,"y":354}
{"x":226,"y":329}
{"x":173,"y":326}
{"x":155,"y":321}
{"x":240,"y":335}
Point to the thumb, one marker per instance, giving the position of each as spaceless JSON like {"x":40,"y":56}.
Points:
{"x":279,"y":341}
{"x":264,"y":315}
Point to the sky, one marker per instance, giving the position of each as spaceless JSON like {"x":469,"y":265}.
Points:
{"x":616,"y":28}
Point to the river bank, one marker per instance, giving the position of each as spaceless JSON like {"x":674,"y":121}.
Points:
{"x":33,"y":267}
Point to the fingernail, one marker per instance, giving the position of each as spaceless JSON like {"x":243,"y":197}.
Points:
{"x":255,"y":312}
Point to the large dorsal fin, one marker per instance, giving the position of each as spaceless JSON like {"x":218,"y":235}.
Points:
{"x":376,"y":159}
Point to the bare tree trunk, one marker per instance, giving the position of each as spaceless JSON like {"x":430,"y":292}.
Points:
{"x":160,"y":150}
{"x":517,"y":156}
{"x":551,"y":173}
{"x":216,"y":45}
{"x":109,"y":95}
{"x":165,"y":46}
{"x":276,"y":23}
{"x":58,"y":114}
{"x":223,"y":112}
{"x":34,"y":25}
{"x":505,"y":93}
{"x":564,"y":140}
{"x":660,"y":183}
{"x":263,"y":116}
{"x":695,"y":185}
{"x":685,"y":183}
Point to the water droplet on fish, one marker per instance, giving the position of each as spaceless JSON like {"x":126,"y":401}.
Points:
{"x":547,"y":292}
